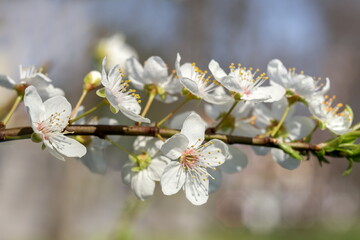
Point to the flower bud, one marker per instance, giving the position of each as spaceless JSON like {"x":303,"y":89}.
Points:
{"x":92,"y":80}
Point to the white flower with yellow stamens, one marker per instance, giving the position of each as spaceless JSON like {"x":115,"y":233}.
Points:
{"x":335,"y":120}
{"x":31,"y":76}
{"x":194,"y":80}
{"x":190,"y":161}
{"x":119,"y":96}
{"x":154,"y":74}
{"x":146,"y":166}
{"x":247,"y":82}
{"x":48,"y":120}
{"x":301,"y":84}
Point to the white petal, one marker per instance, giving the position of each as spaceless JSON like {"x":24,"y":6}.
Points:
{"x":216,"y":70}
{"x":33,"y":103}
{"x":6,"y":82}
{"x":299,"y":127}
{"x":215,"y":99}
{"x":52,"y":151}
{"x":284,"y":159}
{"x":177,"y":65}
{"x":104,"y":77}
{"x":126,"y":173}
{"x":190,"y":85}
{"x":235,"y":161}
{"x":133,"y":116}
{"x":135,"y":71}
{"x":155,"y":70}
{"x":179,"y":119}
{"x":157,"y":167}
{"x":271,"y":93}
{"x":67,"y":146}
{"x":142,"y":185}
{"x":150,"y":145}
{"x":215,"y":153}
{"x":194,"y":129}
{"x":175,"y":146}
{"x":173,"y":178}
{"x":58,"y":106}
{"x":231,"y":83}
{"x":278,"y":73}
{"x":197,"y":189}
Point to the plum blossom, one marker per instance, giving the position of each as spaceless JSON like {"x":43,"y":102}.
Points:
{"x":119,"y":97}
{"x":247,"y":82}
{"x":293,"y":128}
{"x":191,"y":159}
{"x":31,"y":76}
{"x":146,"y":166}
{"x":194,"y":80}
{"x":154,"y":74}
{"x":116,"y":50}
{"x":48,"y":120}
{"x":336,"y":121}
{"x":301,"y":84}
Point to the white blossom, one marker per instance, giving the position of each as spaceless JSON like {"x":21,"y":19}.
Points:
{"x":335,"y":120}
{"x":154,"y":74}
{"x":48,"y":120}
{"x":190,"y":160}
{"x":194,"y":80}
{"x":146,"y":166}
{"x":301,"y":84}
{"x":293,"y":128}
{"x":116,"y":50}
{"x":119,"y":97}
{"x":31,"y":76}
{"x":247,"y":82}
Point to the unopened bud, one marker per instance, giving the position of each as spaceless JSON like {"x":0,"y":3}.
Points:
{"x":92,"y":80}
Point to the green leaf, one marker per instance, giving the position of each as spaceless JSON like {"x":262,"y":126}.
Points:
{"x":289,"y":150}
{"x":101,"y":93}
{"x":349,"y":168}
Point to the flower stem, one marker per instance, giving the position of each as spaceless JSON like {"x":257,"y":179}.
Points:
{"x":148,"y":104}
{"x":226,"y":116}
{"x":81,"y":99}
{"x":120,"y":147}
{"x":88,"y":112}
{"x":173,"y":112}
{"x":278,"y":126}
{"x":18,"y":100}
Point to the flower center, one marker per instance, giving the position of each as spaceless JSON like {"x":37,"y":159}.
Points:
{"x":54,"y":123}
{"x":189,"y":158}
{"x":142,"y":161}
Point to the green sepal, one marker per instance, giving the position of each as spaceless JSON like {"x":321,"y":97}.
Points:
{"x":289,"y":150}
{"x":322,"y":125}
{"x":36,"y":138}
{"x":101,"y":92}
{"x":43,"y":146}
{"x":136,"y":169}
{"x":113,"y":110}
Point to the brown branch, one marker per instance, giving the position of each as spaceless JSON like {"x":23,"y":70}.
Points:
{"x":103,"y":130}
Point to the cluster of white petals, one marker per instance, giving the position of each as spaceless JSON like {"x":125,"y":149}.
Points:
{"x":191,"y":159}
{"x":154,"y":74}
{"x":119,"y":96}
{"x":48,"y":120}
{"x":247,"y":82}
{"x":31,"y":76}
{"x":301,"y":84}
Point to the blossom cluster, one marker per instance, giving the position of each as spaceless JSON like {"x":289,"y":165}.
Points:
{"x":242,"y":102}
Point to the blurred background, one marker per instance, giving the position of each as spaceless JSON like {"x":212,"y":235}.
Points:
{"x":44,"y":198}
